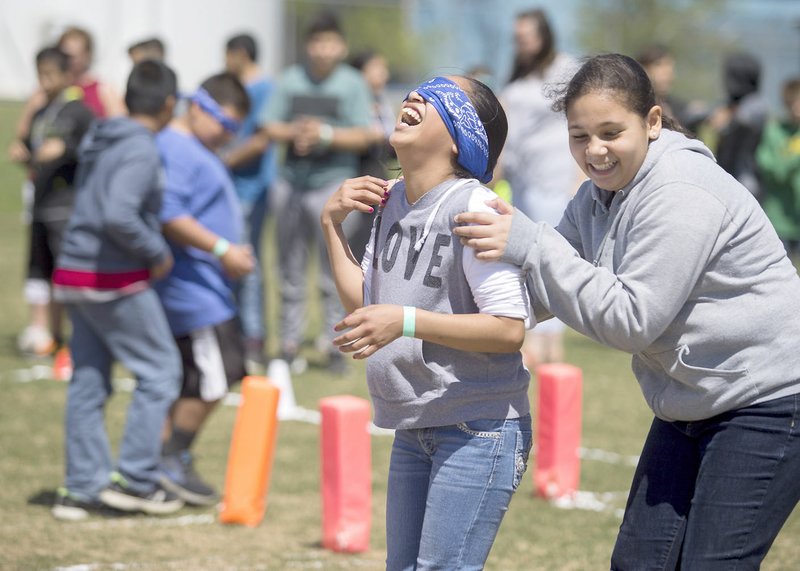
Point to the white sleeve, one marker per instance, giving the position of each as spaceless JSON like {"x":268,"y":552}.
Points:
{"x":497,"y":287}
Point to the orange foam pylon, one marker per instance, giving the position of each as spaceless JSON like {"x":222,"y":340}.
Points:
{"x":346,"y":474}
{"x":251,"y":453}
{"x":558,"y":430}
{"x":62,"y":365}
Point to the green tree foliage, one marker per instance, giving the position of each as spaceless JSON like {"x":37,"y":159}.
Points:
{"x":692,"y":29}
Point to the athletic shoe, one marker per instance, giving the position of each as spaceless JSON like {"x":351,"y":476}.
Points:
{"x":119,"y":495}
{"x":297,"y":364}
{"x":68,"y":507}
{"x":179,"y":477}
{"x":254,"y":359}
{"x":337,"y":364}
{"x":62,"y":365}
{"x":36,"y":341}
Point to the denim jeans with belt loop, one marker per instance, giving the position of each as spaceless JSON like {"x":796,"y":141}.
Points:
{"x":712,"y":494}
{"x":449,"y":488}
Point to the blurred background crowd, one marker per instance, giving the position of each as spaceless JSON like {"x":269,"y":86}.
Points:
{"x":726,"y":69}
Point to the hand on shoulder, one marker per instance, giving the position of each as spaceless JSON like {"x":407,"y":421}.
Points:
{"x":486,"y":233}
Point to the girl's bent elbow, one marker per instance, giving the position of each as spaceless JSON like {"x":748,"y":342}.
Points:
{"x":514,"y":338}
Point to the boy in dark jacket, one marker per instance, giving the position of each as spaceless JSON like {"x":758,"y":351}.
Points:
{"x":49,"y":151}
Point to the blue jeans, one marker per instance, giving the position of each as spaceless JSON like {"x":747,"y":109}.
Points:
{"x":132,"y":330}
{"x":249,"y":290}
{"x":449,"y":488}
{"x":712,"y":494}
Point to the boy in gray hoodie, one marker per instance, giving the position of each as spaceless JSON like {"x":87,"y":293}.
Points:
{"x":666,"y":256}
{"x":112,"y":248}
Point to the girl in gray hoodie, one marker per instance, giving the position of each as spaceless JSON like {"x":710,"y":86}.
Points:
{"x":664,"y":255}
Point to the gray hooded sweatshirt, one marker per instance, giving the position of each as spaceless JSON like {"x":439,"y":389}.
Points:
{"x":682,"y":269}
{"x":418,"y":261}
{"x":114,"y":225}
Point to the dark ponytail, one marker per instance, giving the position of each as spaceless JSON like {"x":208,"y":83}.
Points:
{"x":492,"y":115}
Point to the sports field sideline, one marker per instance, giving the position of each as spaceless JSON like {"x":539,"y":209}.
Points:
{"x":536,"y":535}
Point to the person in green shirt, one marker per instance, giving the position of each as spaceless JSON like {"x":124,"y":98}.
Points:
{"x":321,"y":113}
{"x":778,"y":159}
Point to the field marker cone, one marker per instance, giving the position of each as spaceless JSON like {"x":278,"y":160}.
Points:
{"x":346,"y":478}
{"x":251,"y":453}
{"x":558,"y":430}
{"x":62,"y":365}
{"x":278,"y":374}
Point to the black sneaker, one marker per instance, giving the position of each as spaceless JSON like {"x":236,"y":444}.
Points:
{"x":254,"y":359}
{"x":337,"y":364}
{"x":119,"y":495}
{"x":179,"y":477}
{"x":68,"y":507}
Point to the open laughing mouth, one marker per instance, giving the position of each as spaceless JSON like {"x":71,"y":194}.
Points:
{"x":602,"y":168}
{"x":410,"y":116}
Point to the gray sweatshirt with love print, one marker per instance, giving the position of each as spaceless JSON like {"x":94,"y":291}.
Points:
{"x":416,"y":260}
{"x":682,"y":269}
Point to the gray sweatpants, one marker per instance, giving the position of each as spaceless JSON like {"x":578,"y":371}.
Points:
{"x":297,"y":213}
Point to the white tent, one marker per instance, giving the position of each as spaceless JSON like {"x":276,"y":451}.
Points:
{"x":194,"y":31}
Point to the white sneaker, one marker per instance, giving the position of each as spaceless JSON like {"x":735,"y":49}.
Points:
{"x":35,"y":341}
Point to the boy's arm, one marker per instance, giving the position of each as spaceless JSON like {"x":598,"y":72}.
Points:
{"x":36,"y":101}
{"x":236,"y":259}
{"x":19,"y":149}
{"x":248,"y":150}
{"x":280,"y":131}
{"x":314,"y":132}
{"x":68,"y":129}
{"x":353,"y":135}
{"x":128,"y":188}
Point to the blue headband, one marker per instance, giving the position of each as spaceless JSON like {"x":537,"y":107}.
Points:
{"x":462,"y":121}
{"x":210,"y":106}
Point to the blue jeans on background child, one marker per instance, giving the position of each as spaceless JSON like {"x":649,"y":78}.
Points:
{"x":250,"y":289}
{"x":449,"y":488}
{"x":713,"y":493}
{"x":134,"y":331}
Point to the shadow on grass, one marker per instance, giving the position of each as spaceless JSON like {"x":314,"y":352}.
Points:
{"x":43,"y":497}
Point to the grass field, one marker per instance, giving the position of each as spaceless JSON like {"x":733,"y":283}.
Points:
{"x":535,"y":534}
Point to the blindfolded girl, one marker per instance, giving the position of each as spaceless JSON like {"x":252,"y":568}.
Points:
{"x":441,"y":329}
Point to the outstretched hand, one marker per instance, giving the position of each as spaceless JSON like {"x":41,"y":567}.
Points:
{"x":486,"y":233}
{"x":369,"y":328}
{"x":362,"y":194}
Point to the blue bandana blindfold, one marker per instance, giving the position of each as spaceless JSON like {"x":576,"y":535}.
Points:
{"x":462,"y":122}
{"x":210,"y":106}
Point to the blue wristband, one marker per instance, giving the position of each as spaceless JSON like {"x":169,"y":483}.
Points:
{"x":409,"y":321}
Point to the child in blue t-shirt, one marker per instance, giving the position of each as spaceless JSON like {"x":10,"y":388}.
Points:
{"x":253,"y":162}
{"x":201,"y":220}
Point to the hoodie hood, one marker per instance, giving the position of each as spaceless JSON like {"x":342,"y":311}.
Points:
{"x":104,"y":134}
{"x":668,"y":142}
